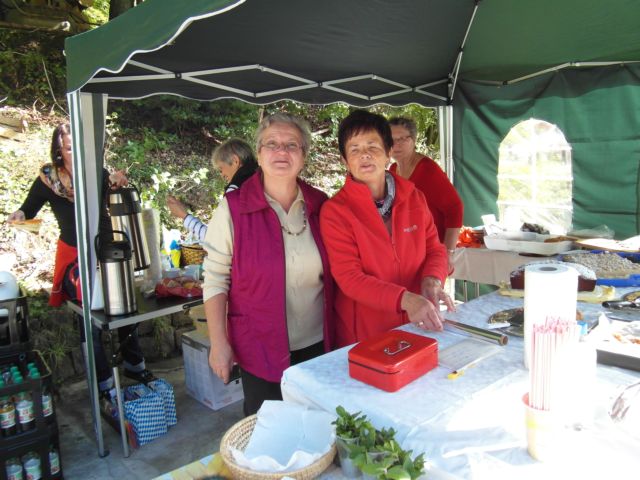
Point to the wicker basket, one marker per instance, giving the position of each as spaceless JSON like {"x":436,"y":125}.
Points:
{"x":192,"y":254}
{"x":238,"y":437}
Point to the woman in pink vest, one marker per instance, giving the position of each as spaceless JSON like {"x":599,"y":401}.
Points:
{"x":268,"y":292}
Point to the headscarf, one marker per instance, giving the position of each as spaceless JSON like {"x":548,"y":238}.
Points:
{"x":58,"y":180}
{"x":384,"y":206}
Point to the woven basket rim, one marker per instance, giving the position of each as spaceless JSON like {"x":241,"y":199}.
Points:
{"x":310,"y":471}
{"x":195,"y":246}
{"x":192,"y":254}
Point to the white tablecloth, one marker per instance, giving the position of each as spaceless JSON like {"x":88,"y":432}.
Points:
{"x":482,"y":265}
{"x":473,"y":426}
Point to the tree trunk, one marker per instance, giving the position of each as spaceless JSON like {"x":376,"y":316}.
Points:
{"x":117,"y":7}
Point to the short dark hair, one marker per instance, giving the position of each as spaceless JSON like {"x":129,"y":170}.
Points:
{"x":56,"y":143}
{"x":362,"y":121}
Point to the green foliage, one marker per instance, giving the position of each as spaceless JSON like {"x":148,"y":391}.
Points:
{"x":348,"y":425}
{"x":376,"y":452}
{"x":32,"y":68}
{"x":98,"y":13}
{"x":51,"y":329}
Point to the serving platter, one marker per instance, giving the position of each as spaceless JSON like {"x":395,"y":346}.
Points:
{"x":619,"y":344}
{"x":513,"y":316}
{"x":526,"y":242}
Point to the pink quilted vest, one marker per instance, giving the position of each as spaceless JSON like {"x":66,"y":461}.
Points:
{"x":257,"y":323}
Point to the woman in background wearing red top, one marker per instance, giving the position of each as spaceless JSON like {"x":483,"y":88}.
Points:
{"x":442,"y":198}
{"x":383,"y":246}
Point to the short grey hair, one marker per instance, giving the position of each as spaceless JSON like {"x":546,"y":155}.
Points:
{"x":407,"y":123}
{"x":286,"y":118}
{"x":224,"y":152}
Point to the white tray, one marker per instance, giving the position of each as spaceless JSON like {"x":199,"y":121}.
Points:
{"x":526,"y":242}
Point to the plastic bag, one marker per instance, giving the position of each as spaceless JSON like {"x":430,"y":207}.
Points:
{"x":183,"y":286}
{"x":601,"y":231}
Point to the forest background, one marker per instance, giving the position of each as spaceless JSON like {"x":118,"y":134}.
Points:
{"x":164,"y":143}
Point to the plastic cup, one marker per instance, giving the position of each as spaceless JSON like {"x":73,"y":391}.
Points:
{"x":544,"y":432}
{"x":192,"y":271}
{"x":171,"y":273}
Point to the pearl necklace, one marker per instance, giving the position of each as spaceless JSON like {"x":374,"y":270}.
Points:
{"x":304,"y":226}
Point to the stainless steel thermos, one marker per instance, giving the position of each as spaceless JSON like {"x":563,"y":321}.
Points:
{"x":126,"y":216}
{"x":116,"y":272}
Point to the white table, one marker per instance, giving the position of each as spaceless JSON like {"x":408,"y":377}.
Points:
{"x":482,"y":265}
{"x":473,"y":426}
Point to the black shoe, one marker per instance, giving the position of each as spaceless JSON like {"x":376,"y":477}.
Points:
{"x":145,"y":376}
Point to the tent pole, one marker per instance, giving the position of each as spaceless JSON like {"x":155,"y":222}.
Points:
{"x":87,"y":174}
{"x":445,"y":126}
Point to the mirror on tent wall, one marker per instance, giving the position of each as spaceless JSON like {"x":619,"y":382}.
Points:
{"x":535,"y":178}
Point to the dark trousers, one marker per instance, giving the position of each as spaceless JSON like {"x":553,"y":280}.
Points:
{"x":129,"y":348}
{"x":127,"y":337}
{"x":256,"y":390}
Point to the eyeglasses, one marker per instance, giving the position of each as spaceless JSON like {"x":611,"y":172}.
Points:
{"x":290,"y":147}
{"x":402,"y":139}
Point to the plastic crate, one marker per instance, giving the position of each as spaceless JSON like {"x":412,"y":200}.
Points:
{"x":40,"y":445}
{"x":14,"y":329}
{"x":33,"y":386}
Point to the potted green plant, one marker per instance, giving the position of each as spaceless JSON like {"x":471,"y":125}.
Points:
{"x":387,"y":460}
{"x":348,"y":432}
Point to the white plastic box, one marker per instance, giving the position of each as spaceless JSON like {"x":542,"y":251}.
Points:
{"x":201,"y":383}
{"x":526,"y":242}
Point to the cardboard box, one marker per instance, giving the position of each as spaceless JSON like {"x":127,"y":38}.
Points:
{"x":202,"y":384}
{"x":199,"y":319}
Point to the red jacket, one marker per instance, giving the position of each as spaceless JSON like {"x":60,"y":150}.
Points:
{"x":443,"y":199}
{"x":372,"y":269}
{"x":257,"y":312}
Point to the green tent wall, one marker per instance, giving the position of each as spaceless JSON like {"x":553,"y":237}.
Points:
{"x":594,"y":108}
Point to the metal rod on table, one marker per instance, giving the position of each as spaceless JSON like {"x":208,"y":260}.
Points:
{"x":501,"y":338}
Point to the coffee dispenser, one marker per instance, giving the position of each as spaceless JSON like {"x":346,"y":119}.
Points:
{"x":125,"y":211}
{"x":116,"y":272}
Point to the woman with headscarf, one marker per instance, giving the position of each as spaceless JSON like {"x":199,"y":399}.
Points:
{"x":54,"y":185}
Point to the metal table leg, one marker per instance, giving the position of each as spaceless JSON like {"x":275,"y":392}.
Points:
{"x":119,"y":398}
{"x":92,"y":384}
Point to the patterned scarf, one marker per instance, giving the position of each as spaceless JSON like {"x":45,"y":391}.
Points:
{"x":384,"y":206}
{"x":58,"y":180}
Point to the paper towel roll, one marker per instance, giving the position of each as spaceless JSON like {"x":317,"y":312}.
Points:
{"x":151,"y":223}
{"x":550,"y":290}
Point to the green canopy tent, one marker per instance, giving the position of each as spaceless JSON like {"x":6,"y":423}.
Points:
{"x":485,"y":64}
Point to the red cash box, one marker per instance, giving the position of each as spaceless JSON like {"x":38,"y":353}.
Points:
{"x":392,"y":360}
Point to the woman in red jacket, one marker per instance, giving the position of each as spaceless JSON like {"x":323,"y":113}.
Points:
{"x":442,"y":198}
{"x":383,"y":246}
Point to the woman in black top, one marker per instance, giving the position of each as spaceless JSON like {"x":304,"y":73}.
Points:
{"x":55,"y":186}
